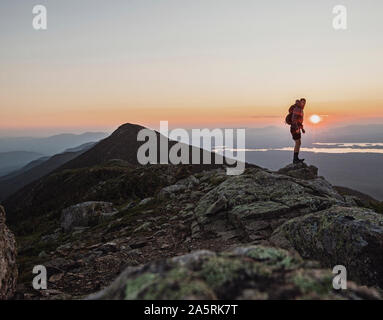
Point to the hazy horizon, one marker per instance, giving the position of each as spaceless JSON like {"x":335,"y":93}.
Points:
{"x":49,"y":132}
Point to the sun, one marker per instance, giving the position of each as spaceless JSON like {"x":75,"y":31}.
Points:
{"x":315,"y":119}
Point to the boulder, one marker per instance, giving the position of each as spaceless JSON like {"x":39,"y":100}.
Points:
{"x":189,"y":182}
{"x":300,"y":171}
{"x":349,"y":236}
{"x":254,"y":272}
{"x":86,"y":214}
{"x":170,"y":191}
{"x":146,"y":201}
{"x":8,"y":267}
{"x":258,"y":197}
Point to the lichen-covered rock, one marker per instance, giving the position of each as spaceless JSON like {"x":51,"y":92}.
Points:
{"x":170,"y":191}
{"x":300,"y":171}
{"x":8,"y":267}
{"x":247,"y":201}
{"x":348,"y":236}
{"x":189,"y":182}
{"x":86,"y":214}
{"x":253,"y":272}
{"x":323,"y":187}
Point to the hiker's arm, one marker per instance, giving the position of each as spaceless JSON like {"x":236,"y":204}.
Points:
{"x":297,"y":121}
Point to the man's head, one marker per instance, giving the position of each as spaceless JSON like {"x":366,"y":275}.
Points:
{"x":302,"y":102}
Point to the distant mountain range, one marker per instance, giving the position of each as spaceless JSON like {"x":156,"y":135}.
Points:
{"x":17,"y":152}
{"x":38,"y":168}
{"x":48,"y":145}
{"x":13,"y":160}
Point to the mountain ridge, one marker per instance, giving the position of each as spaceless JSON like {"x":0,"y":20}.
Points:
{"x":100,"y":222}
{"x":241,"y":223}
{"x":121,"y":145}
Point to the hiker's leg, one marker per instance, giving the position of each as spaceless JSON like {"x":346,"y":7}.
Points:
{"x":297,"y":145}
{"x":296,"y":151}
{"x":296,"y":134}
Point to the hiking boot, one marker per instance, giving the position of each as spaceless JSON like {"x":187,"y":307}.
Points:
{"x":296,"y":161}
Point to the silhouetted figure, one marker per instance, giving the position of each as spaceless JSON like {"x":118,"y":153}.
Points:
{"x":297,"y":126}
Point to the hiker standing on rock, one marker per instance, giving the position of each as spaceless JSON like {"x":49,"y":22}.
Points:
{"x":295,"y":119}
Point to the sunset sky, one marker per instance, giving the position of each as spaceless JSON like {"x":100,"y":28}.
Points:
{"x":194,"y":63}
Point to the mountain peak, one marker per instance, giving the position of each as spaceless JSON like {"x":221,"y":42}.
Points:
{"x":128,"y":128}
{"x":121,"y":144}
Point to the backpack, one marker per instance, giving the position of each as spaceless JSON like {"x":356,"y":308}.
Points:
{"x":289,"y":117}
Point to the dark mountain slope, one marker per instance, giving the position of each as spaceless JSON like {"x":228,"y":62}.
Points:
{"x":117,"y":183}
{"x":16,"y":180}
{"x":121,"y":144}
{"x":9,"y":186}
{"x":111,"y":164}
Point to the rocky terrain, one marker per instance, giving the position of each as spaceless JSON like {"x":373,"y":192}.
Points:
{"x":241,"y":222}
{"x":8,"y":268}
{"x":249,"y":273}
{"x":116,"y":230}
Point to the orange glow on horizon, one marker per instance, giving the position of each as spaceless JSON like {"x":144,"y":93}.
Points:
{"x":187,"y":117}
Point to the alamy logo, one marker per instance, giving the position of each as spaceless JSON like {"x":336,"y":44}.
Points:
{"x":40,"y":281}
{"x":40,"y":21}
{"x":340,"y":20}
{"x":340,"y":280}
{"x":179,"y":153}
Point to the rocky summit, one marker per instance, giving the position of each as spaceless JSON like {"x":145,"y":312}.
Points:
{"x":173,"y":232}
{"x":106,"y":227}
{"x":8,"y":268}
